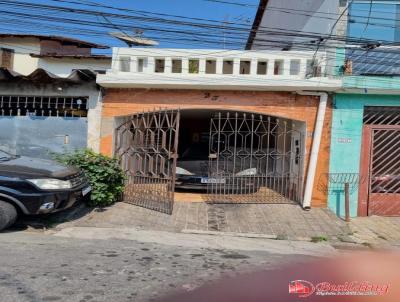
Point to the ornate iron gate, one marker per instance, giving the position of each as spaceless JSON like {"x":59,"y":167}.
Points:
{"x":147,"y":147}
{"x":254,"y":159}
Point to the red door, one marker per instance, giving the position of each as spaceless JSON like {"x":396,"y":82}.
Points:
{"x":380,"y":171}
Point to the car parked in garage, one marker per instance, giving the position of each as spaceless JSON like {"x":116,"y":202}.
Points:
{"x":192,"y":172}
{"x":33,"y":186}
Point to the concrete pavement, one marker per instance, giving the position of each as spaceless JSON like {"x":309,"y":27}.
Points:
{"x":90,"y":264}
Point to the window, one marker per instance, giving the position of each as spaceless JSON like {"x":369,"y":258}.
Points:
{"x":211,"y":66}
{"x":294,"y":67}
{"x":159,"y":66}
{"x":176,"y":66}
{"x":278,"y":67}
{"x":141,"y":64}
{"x":125,"y":64}
{"x":245,"y":67}
{"x":262,"y":67}
{"x":7,"y":58}
{"x":227,"y":67}
{"x":194,"y":66}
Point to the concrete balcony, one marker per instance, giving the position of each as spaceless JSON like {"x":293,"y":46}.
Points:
{"x":218,"y":69}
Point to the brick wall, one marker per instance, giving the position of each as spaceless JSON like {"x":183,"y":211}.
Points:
{"x":120,"y":102}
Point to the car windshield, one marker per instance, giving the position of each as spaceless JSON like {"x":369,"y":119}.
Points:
{"x":5,"y":156}
{"x":196,"y":151}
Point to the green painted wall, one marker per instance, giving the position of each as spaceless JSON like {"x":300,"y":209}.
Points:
{"x":346,"y":141}
{"x":371,"y":82}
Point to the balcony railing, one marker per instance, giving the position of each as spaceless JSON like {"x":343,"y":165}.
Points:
{"x":209,"y":63}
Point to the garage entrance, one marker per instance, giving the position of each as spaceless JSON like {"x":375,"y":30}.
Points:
{"x":228,"y":156}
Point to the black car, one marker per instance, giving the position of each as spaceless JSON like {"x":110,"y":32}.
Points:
{"x":33,"y":186}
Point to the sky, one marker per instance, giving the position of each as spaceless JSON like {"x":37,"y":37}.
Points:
{"x":380,"y":19}
{"x":242,"y":14}
{"x":24,"y":16}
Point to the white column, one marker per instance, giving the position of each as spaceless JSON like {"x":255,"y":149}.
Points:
{"x":220,"y":64}
{"x":150,"y":65}
{"x":286,"y":67}
{"x":185,"y":65}
{"x":270,"y":67}
{"x":168,"y":65}
{"x":202,"y":66}
{"x":253,"y":67}
{"x":236,"y":66}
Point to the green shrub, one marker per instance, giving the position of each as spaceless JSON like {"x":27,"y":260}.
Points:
{"x":104,"y":174}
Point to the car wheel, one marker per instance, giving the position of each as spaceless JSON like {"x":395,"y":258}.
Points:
{"x":8,"y":215}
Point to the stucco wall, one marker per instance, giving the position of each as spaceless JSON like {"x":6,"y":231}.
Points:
{"x":23,"y":62}
{"x":347,"y":123}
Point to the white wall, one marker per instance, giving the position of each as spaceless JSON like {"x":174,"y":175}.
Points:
{"x":23,"y":62}
{"x":64,"y":66}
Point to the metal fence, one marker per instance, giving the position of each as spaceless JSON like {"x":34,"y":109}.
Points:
{"x":255,"y":159}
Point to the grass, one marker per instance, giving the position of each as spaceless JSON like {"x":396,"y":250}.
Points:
{"x":317,"y":239}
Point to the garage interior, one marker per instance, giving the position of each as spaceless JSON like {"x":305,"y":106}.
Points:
{"x":213,"y":156}
{"x":239,"y":157}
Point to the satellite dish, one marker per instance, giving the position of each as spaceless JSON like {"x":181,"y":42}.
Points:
{"x":134,"y":40}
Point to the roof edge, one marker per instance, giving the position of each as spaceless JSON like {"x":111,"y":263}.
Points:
{"x":55,"y":38}
{"x":256,"y":24}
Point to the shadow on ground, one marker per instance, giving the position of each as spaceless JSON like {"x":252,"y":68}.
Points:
{"x":48,"y":221}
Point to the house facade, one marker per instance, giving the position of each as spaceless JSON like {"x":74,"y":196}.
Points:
{"x":49,"y":99}
{"x":268,"y":108}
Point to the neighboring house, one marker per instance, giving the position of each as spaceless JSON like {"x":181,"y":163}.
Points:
{"x":365,"y":124}
{"x":366,"y":118}
{"x":49,"y":99}
{"x":24,"y":53}
{"x":251,"y":108}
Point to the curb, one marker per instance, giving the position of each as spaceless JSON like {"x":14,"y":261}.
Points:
{"x":247,"y":235}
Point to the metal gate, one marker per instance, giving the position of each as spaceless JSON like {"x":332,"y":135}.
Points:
{"x":380,"y":162}
{"x":147,"y":145}
{"x":384,"y":170}
{"x":39,"y":126}
{"x":254,"y":159}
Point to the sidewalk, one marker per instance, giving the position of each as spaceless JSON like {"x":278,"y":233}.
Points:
{"x":282,"y":221}
{"x":274,"y":221}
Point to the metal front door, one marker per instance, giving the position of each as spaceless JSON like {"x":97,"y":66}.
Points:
{"x":147,"y":145}
{"x":254,"y":159}
{"x":384,"y":171}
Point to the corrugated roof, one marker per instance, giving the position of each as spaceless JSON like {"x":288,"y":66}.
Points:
{"x":379,"y":61}
{"x":42,"y":76}
{"x":56,"y":38}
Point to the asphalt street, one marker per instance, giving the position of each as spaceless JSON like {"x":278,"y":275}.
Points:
{"x":42,"y":267}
